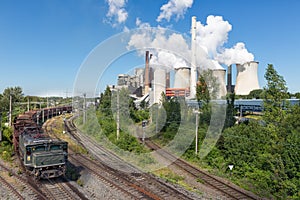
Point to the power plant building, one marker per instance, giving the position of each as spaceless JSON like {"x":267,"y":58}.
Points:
{"x":151,"y":81}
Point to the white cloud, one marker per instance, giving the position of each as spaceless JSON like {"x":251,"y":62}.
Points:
{"x":172,"y":50}
{"x":237,"y":54}
{"x":116,"y":11}
{"x":212,"y":37}
{"x":168,"y":49}
{"x":214,"y":34}
{"x":174,"y":7}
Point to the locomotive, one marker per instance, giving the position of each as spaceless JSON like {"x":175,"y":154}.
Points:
{"x":43,"y":156}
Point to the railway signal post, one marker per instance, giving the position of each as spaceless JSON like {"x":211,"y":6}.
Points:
{"x":230,"y":167}
{"x":144,"y":123}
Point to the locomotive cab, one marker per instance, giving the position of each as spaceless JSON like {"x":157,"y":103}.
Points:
{"x":44,"y":156}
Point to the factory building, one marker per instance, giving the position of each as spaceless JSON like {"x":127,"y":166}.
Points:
{"x":134,"y":83}
{"x":150,"y":82}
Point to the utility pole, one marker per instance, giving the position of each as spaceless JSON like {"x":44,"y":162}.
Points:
{"x":144,"y":123}
{"x":156,"y":128}
{"x":197,"y":126}
{"x":10,"y":110}
{"x":43,"y":119}
{"x":118,"y":115}
{"x":28,"y":104}
{"x":84,"y":108}
{"x":47,"y":102}
{"x":0,"y":126}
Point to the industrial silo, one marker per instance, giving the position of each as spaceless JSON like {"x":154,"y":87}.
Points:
{"x":246,"y":79}
{"x":159,"y":84}
{"x":182,"y":77}
{"x":220,"y":76}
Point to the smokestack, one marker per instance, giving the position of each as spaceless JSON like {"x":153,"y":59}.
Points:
{"x":147,"y":82}
{"x":168,"y":80}
{"x":229,"y":79}
{"x":247,"y":79}
{"x":193,"y":60}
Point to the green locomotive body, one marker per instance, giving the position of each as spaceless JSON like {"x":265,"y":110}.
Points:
{"x":43,"y":156}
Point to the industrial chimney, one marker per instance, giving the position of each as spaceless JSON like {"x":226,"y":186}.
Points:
{"x":247,"y":79}
{"x":147,"y":81}
{"x":193,"y":59}
{"x":229,"y":79}
{"x":167,"y":79}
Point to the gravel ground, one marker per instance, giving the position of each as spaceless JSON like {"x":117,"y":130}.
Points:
{"x":207,"y":192}
{"x":20,"y":186}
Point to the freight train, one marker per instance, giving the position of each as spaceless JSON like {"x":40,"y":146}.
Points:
{"x":41,"y":155}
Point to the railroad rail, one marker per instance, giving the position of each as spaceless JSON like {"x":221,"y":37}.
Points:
{"x":14,"y":192}
{"x":26,"y":183}
{"x":228,"y":189}
{"x":58,"y":189}
{"x":112,"y":179}
{"x":139,"y":184}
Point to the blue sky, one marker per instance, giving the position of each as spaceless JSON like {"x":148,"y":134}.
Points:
{"x":43,"y":43}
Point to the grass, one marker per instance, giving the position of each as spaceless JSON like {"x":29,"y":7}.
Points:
{"x":172,"y":177}
{"x":57,"y":128}
{"x":80,"y":182}
{"x":169,"y":175}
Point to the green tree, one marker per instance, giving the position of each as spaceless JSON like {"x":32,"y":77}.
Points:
{"x":256,"y":94}
{"x":16,"y":94}
{"x":207,"y":89}
{"x":297,"y":95}
{"x":275,"y":96}
{"x":230,"y":111}
{"x":105,"y":102}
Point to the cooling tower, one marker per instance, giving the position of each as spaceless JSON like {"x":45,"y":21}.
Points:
{"x":182,"y":77}
{"x":246,"y":79}
{"x":220,"y":75}
{"x":159,"y":84}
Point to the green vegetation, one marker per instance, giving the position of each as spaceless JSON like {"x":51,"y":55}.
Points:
{"x":80,"y":182}
{"x":169,"y":176}
{"x":102,"y":125}
{"x":266,"y":155}
{"x":265,"y":152}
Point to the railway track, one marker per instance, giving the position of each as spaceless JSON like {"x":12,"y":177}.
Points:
{"x":228,"y":189}
{"x":112,"y":179}
{"x":13,"y":191}
{"x":140,"y":185}
{"x":18,"y":185}
{"x":58,"y":189}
